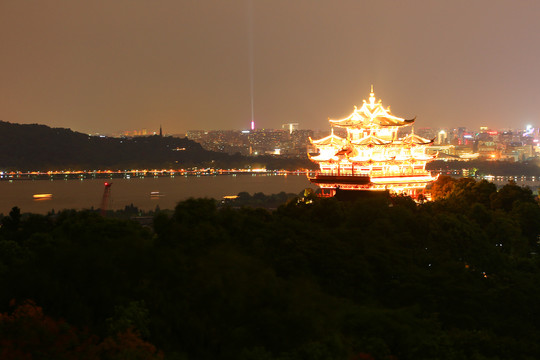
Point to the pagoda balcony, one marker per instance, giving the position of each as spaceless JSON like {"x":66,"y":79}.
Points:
{"x":335,"y":178}
{"x":371,"y":173}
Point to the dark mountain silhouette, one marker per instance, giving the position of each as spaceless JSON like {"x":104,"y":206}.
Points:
{"x":38,"y":147}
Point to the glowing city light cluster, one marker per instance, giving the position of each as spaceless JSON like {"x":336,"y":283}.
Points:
{"x":372,"y":157}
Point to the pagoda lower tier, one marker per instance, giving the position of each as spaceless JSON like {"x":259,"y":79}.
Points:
{"x":403,"y":177}
{"x":411,"y":184}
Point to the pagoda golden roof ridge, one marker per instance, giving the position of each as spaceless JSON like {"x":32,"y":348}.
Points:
{"x":371,"y":114}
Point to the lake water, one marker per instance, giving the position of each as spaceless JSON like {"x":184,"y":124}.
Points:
{"x":84,"y":194}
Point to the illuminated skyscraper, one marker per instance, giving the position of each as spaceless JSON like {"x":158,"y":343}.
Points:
{"x":441,"y":137}
{"x":290,"y":127}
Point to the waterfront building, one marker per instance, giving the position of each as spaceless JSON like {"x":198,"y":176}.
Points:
{"x":371,"y":157}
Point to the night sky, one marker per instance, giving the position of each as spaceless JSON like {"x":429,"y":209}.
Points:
{"x":106,"y":66}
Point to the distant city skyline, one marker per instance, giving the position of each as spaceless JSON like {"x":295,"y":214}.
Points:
{"x":114,"y":66}
{"x":282,"y":127}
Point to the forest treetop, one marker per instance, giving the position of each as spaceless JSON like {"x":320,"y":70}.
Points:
{"x":379,"y":278}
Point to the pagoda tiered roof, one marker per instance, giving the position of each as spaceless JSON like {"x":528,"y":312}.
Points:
{"x":331,"y":139}
{"x":416,"y":157}
{"x":372,"y":158}
{"x":370,"y":140}
{"x":371,"y":114}
{"x":324,"y":157}
{"x":412,"y":138}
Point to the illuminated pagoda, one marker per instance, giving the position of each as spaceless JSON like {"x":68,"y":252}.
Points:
{"x":372,"y":157}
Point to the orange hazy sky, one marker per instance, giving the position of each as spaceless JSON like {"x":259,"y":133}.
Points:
{"x":106,"y":66}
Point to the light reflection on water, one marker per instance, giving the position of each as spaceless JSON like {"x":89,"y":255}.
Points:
{"x":85,"y":194}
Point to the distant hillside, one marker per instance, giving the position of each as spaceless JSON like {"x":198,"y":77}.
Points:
{"x":39,"y":147}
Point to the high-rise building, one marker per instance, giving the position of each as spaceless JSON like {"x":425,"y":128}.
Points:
{"x":441,"y":137}
{"x":290,"y":127}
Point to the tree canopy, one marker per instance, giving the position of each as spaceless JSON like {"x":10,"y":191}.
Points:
{"x":376,"y":278}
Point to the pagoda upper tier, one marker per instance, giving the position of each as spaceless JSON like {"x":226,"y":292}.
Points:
{"x":372,"y":114}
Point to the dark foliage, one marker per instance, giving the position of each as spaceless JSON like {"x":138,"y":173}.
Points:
{"x":376,"y":278}
{"x":259,"y":200}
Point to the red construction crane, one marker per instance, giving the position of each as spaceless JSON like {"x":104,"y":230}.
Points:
{"x":105,"y":199}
